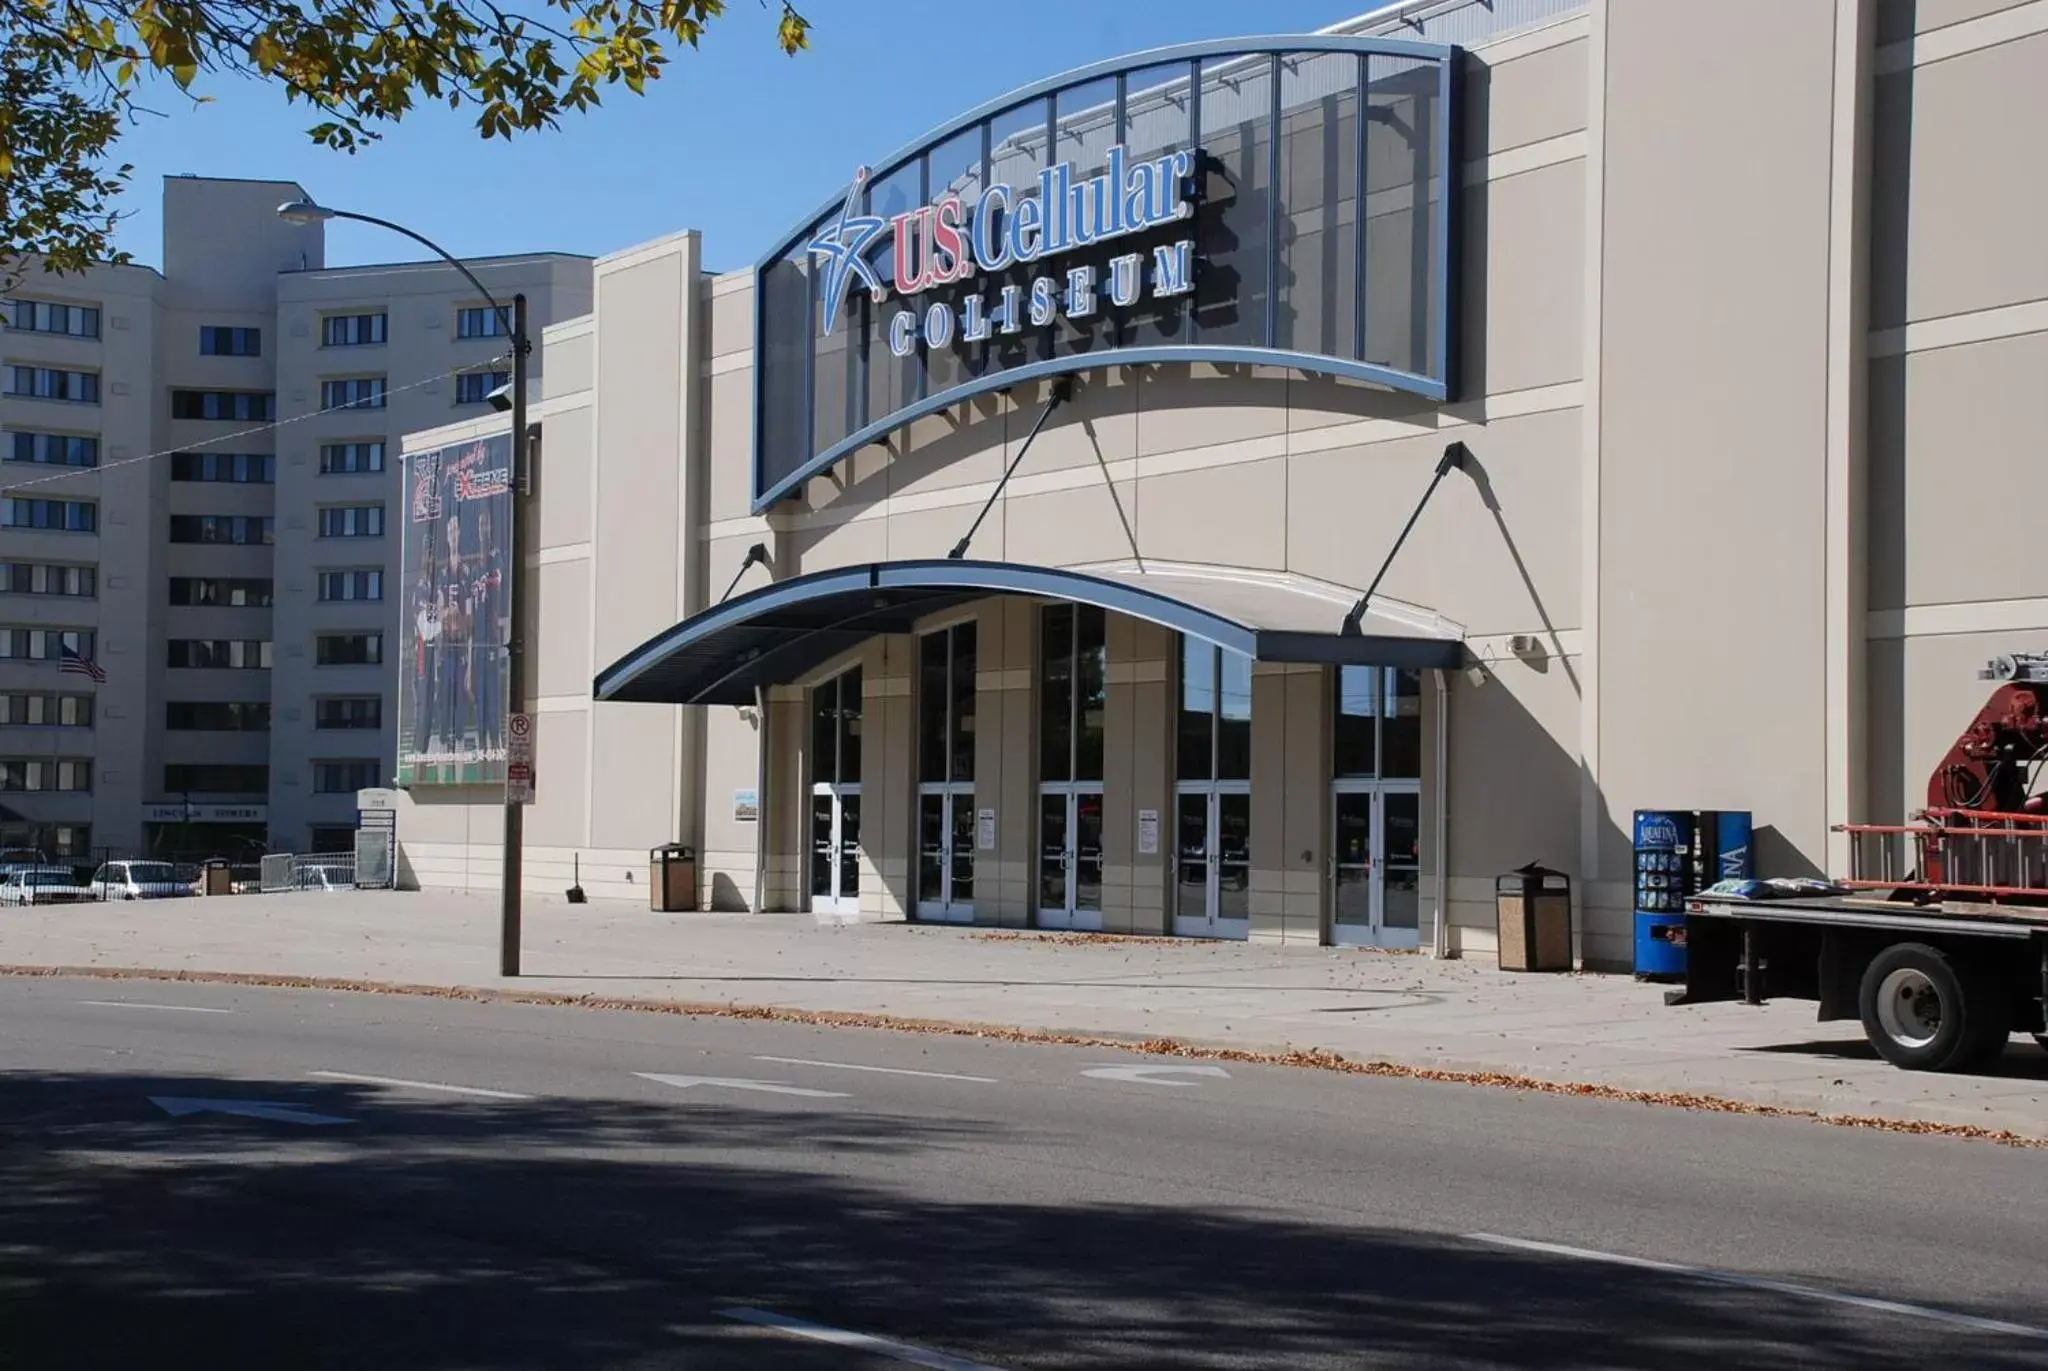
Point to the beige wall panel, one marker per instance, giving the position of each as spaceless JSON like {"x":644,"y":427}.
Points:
{"x":1514,"y":765}
{"x":1305,"y":839}
{"x":1100,"y":424}
{"x":1180,"y":406}
{"x":855,"y":481}
{"x":641,"y":449}
{"x":568,"y":363}
{"x":732,"y":320}
{"x":633,"y":803}
{"x":731,"y":762}
{"x":562,"y":666}
{"x":1713,"y":424}
{"x":561,"y":757}
{"x":729,"y":431}
{"x":963,"y":446}
{"x":1233,"y":514}
{"x":1529,"y":99}
{"x":1892,"y":794}
{"x":1063,"y":527}
{"x":934,"y":532}
{"x":820,"y":546}
{"x":1497,"y":550}
{"x":562,"y":486}
{"x":1954,"y":431}
{"x":1958,"y":220}
{"x":1524,"y":280}
{"x":1897,"y":19}
{"x":1319,"y":401}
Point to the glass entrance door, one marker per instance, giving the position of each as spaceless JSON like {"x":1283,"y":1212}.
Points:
{"x":1376,"y":865}
{"x":1212,"y":828}
{"x":945,"y":855}
{"x":835,"y":850}
{"x":1070,"y":859}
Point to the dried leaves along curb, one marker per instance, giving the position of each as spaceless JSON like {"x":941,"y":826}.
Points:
{"x":1314,"y":1059}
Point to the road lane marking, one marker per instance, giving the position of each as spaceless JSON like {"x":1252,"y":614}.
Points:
{"x":734,"y":1083}
{"x":881,"y":1070}
{"x":178,"y":1106}
{"x":476,"y":1090}
{"x":841,"y":1337}
{"x":1154,"y":1075}
{"x":138,"y":1004}
{"x":1776,"y":1287}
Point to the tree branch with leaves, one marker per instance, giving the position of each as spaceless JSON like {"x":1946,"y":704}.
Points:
{"x":73,"y":70}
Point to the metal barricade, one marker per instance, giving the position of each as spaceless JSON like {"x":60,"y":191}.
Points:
{"x":278,"y":872}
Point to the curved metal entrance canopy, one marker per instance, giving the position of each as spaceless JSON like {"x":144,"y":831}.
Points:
{"x":780,"y":633}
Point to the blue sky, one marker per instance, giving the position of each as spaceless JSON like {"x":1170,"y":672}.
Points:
{"x":736,"y":139}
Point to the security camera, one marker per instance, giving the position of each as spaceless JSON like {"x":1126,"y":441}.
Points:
{"x":501,"y":398}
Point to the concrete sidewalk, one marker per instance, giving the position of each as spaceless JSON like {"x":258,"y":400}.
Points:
{"x":1455,"y":1015}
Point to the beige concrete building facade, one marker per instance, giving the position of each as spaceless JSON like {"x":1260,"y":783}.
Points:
{"x":1745,"y":389}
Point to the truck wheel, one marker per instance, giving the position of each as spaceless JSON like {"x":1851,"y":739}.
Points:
{"x":1917,"y":1011}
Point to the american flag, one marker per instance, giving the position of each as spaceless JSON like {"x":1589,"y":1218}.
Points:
{"x":70,"y":661}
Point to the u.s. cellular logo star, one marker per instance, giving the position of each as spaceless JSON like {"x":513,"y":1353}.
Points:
{"x":843,"y":248}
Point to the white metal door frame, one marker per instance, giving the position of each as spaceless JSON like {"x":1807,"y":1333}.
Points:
{"x":836,"y":901}
{"x":1072,"y":915}
{"x":951,"y":795}
{"x":1375,"y":933}
{"x":1210,"y":923}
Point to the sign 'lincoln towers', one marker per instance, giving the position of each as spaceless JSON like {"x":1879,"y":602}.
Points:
{"x":950,"y":240}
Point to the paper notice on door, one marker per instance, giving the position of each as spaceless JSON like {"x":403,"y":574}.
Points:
{"x":985,"y":830}
{"x":1148,"y":831}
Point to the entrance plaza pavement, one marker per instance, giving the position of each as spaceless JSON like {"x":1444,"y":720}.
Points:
{"x":1371,"y":1006}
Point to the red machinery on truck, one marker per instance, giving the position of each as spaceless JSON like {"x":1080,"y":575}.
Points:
{"x":1938,"y":937}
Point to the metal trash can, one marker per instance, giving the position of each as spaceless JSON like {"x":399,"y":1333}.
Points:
{"x":1534,"y":907}
{"x":217,"y":877}
{"x":671,"y":878}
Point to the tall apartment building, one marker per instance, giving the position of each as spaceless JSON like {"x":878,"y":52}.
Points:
{"x":197,"y":470}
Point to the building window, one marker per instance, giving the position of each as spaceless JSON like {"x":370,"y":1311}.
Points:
{"x":1215,"y":732}
{"x":331,"y":838}
{"x":44,"y":644}
{"x":235,"y":654}
{"x":46,"y":316}
{"x":349,"y":711}
{"x":46,"y":711}
{"x":1072,"y":693}
{"x":217,"y":716}
{"x":475,"y":387}
{"x":43,"y":773}
{"x":247,"y":406}
{"x":53,"y":449}
{"x":352,"y":521}
{"x":945,"y":705}
{"x":364,"y":584}
{"x":1378,"y":729}
{"x":479,"y":321}
{"x":352,"y":330}
{"x":354,"y":392}
{"x":54,"y":383}
{"x":216,"y":778}
{"x":348,"y":459}
{"x":216,"y":341}
{"x":44,"y":578}
{"x":241,"y":468}
{"x":58,"y":516}
{"x":347,"y":777}
{"x":348,"y":649}
{"x":244,"y":529}
{"x":224,"y":592}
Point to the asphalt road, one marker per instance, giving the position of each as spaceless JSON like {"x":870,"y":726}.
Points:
{"x":205,"y":1175}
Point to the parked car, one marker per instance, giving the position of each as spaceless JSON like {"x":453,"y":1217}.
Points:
{"x":139,"y":881}
{"x":42,"y":885}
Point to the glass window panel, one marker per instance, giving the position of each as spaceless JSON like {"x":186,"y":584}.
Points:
{"x":931,"y":851}
{"x":892,"y":380}
{"x":1056,"y":694}
{"x":824,"y":733}
{"x":1197,"y":712}
{"x":963,"y":702}
{"x":933,"y":696}
{"x":1091,"y":692}
{"x":1157,"y":110}
{"x":1231,"y":233}
{"x":835,"y":370}
{"x":1191,"y":856}
{"x":1401,"y":733}
{"x":849,"y":727}
{"x":1017,"y":152}
{"x":785,"y":336}
{"x":1234,"y":719}
{"x":963,"y":849}
{"x":1317,"y":280}
{"x":821,"y":845}
{"x":1402,"y":126}
{"x":1355,"y":737}
{"x":1084,"y":130}
{"x":955,"y":169}
{"x":1052,"y":852}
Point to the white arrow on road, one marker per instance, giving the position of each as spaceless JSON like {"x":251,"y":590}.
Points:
{"x":1155,"y":1075}
{"x":177,"y":1106}
{"x":733,"y":1083}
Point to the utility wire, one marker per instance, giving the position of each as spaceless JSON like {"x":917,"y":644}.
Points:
{"x":71,"y":473}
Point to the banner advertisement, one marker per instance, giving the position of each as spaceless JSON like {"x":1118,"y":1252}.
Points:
{"x":456,"y":571}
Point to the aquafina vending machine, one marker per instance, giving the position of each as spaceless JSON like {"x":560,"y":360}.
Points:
{"x":1680,"y":852}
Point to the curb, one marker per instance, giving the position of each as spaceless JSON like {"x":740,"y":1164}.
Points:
{"x":1313,"y":1059}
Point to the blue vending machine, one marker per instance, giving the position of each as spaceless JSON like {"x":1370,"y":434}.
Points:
{"x":1680,"y":852}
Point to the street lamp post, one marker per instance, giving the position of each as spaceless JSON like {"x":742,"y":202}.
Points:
{"x":513,"y":322}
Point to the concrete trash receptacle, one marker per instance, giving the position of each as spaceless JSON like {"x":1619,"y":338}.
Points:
{"x":1534,"y":907}
{"x":671,"y":878}
{"x":218,"y":878}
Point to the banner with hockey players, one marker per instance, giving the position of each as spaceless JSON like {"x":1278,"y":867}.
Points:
{"x":456,"y":582}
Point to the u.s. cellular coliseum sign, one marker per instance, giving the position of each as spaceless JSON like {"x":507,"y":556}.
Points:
{"x":1134,"y":212}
